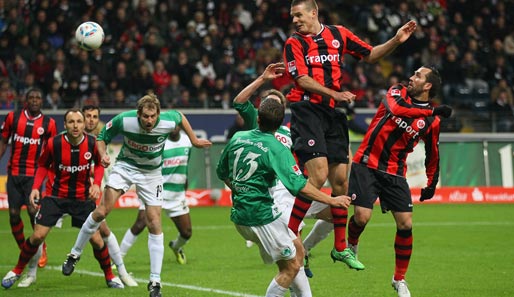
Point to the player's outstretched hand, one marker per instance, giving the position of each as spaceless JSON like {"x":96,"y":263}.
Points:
{"x":342,"y":201}
{"x":106,"y":161}
{"x":34,"y":198}
{"x":273,"y":71}
{"x":202,"y":143}
{"x":443,"y":110}
{"x":406,"y":31}
{"x":427,"y":193}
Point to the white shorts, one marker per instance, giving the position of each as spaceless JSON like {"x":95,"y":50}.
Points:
{"x":284,"y":201}
{"x":275,"y":240}
{"x":148,"y":182}
{"x":315,"y":209}
{"x":174,"y":204}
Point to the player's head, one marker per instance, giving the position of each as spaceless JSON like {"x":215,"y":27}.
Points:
{"x":305,"y":16}
{"x":424,"y":84}
{"x":92,"y":115}
{"x":148,"y":110}
{"x":34,"y":101}
{"x":271,"y":115}
{"x":275,"y":94}
{"x":434,"y":78}
{"x":74,"y":123}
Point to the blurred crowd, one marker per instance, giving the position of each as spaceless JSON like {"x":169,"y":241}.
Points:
{"x":201,"y":53}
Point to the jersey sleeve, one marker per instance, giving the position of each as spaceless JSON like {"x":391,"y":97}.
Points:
{"x":52,"y":129}
{"x":7,"y":125}
{"x":287,"y":171}
{"x":44,"y":163}
{"x":222,"y":167}
{"x":249,"y":114}
{"x":431,"y":140}
{"x":294,"y":58}
{"x":98,"y":171}
{"x":396,"y":104}
{"x":111,"y":129}
{"x":354,"y":45}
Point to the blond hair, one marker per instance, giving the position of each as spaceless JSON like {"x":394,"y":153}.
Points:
{"x":149,"y":101}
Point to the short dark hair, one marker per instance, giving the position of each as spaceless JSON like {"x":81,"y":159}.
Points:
{"x":271,"y":115}
{"x":38,"y":90}
{"x":90,"y":107}
{"x":309,"y":4}
{"x":74,"y":110}
{"x":277,"y":93}
{"x":433,"y":77}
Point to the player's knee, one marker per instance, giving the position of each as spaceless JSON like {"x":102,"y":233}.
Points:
{"x":186,"y":234}
{"x":361,"y":219}
{"x":138,"y":227}
{"x":36,"y":239}
{"x":292,"y":268}
{"x":14,"y":215}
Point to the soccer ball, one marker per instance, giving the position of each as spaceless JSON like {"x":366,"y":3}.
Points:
{"x":89,"y":36}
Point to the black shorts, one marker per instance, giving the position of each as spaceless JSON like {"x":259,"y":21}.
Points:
{"x":369,"y":184}
{"x":52,"y":209}
{"x":319,"y":130}
{"x":18,"y":190}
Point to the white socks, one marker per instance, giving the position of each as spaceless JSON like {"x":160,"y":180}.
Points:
{"x":34,"y":261}
{"x":87,"y":230}
{"x":300,"y":285}
{"x":179,"y":242}
{"x":275,"y":290}
{"x":127,"y":242}
{"x":320,"y":231}
{"x":156,"y":251}
{"x":114,"y":252}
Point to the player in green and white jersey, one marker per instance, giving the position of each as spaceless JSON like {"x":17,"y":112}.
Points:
{"x":174,"y":171}
{"x":249,"y":165}
{"x":283,"y":199}
{"x":138,"y":163}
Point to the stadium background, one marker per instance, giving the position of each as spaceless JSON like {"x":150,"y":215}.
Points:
{"x":196,"y":55}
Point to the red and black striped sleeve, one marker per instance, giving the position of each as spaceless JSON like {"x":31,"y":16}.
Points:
{"x":431,"y":140}
{"x":395,"y":102}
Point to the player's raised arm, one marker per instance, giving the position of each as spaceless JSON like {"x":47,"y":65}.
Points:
{"x":197,"y":142}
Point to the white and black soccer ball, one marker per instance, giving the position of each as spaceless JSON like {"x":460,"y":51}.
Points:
{"x":89,"y":35}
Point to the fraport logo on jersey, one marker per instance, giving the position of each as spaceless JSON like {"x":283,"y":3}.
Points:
{"x":321,"y":59}
{"x":405,"y":126}
{"x":73,"y":169}
{"x":311,"y":142}
{"x":40,"y":131}
{"x":26,"y":140}
{"x":335,"y":43}
{"x":87,"y":155}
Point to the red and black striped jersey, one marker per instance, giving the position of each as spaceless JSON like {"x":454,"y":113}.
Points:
{"x":395,"y":130}
{"x":68,"y":167}
{"x":27,"y":135}
{"x":321,"y":57}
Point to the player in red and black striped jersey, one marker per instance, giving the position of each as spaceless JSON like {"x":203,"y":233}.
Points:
{"x":314,"y":58}
{"x":66,"y":160}
{"x":27,"y":130}
{"x":378,"y":169}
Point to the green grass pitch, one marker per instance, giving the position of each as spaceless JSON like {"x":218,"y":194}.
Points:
{"x":459,"y":250}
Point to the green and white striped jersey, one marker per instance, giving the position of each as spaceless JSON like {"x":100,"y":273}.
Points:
{"x":140,"y":148}
{"x":249,"y":114}
{"x":252,"y":161}
{"x":174,"y":167}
